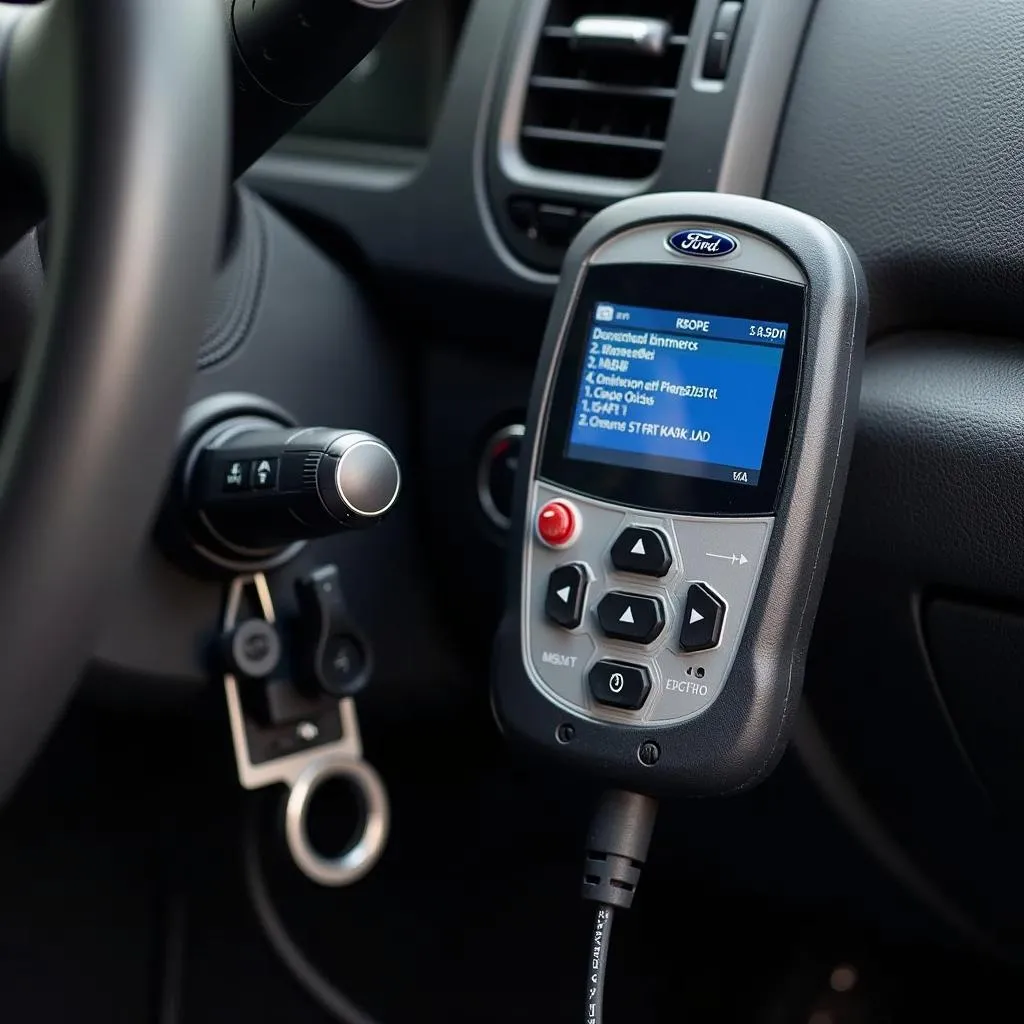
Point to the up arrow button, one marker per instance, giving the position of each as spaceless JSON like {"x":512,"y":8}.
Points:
{"x":634,"y":617}
{"x":643,"y":550}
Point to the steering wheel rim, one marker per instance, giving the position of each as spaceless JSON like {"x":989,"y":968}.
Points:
{"x":118,"y":110}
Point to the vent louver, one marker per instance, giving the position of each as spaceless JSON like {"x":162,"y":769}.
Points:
{"x":602,"y":86}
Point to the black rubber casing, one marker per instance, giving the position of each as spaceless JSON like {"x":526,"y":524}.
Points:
{"x":737,"y":741}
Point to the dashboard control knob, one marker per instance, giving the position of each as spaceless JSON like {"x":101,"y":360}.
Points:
{"x":364,"y":481}
{"x":251,"y":488}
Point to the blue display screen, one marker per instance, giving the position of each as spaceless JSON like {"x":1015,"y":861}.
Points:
{"x":677,"y":392}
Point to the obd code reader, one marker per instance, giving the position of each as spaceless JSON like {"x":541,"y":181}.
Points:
{"x":682,"y":471}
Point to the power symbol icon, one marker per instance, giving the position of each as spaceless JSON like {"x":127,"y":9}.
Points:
{"x":619,"y":685}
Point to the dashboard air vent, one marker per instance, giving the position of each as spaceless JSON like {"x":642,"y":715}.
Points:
{"x":602,"y":85}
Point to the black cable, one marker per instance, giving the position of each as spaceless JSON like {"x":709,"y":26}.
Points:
{"x":330,"y":998}
{"x":617,"y":844}
{"x":598,"y":965}
{"x":173,"y":964}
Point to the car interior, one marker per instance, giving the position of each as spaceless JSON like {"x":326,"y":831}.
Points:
{"x":469,"y":463}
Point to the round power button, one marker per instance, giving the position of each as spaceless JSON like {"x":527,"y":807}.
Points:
{"x":558,"y":524}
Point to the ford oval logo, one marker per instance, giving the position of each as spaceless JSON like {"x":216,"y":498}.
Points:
{"x":703,"y":242}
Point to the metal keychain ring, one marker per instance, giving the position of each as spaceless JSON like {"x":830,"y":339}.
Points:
{"x":361,"y":856}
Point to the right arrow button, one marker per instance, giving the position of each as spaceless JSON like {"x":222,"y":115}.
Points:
{"x":703,"y":615}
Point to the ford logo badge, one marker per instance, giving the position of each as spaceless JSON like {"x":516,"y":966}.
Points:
{"x":705,"y":243}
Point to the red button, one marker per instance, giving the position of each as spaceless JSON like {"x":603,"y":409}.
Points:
{"x":557,"y":524}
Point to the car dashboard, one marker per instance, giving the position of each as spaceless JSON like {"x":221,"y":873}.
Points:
{"x":391,"y":266}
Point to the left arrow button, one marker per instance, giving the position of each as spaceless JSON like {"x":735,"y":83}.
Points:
{"x":566,"y":595}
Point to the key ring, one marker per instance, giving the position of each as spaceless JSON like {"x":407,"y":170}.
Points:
{"x":315,"y":754}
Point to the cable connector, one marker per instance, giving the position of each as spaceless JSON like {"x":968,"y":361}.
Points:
{"x":617,"y":844}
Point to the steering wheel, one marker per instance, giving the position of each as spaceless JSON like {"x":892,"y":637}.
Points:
{"x":116,"y":112}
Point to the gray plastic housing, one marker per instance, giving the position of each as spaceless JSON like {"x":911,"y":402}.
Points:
{"x":736,"y":740}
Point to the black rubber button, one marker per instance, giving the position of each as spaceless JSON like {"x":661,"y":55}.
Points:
{"x":631,"y":616}
{"x":703,"y":615}
{"x":643,"y":550}
{"x":567,"y":590}
{"x":619,"y":684}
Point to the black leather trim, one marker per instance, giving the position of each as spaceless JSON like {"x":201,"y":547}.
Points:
{"x":902,"y":132}
{"x":238,"y":290}
{"x":936,"y":487}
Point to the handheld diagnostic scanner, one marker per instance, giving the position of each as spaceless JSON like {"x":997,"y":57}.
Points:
{"x":686,"y":450}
